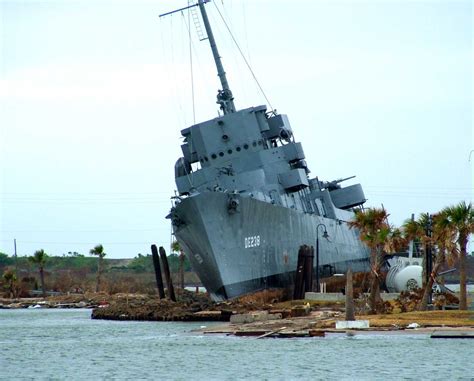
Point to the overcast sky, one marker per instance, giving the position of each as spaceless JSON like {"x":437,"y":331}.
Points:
{"x":94,"y":94}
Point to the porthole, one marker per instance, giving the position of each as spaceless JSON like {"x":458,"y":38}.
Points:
{"x":229,"y":151}
{"x":205,"y":158}
{"x":238,"y":149}
{"x":221,"y":154}
{"x":259,"y":142}
{"x":254,"y":144}
{"x":214,"y":156}
{"x":246,"y":146}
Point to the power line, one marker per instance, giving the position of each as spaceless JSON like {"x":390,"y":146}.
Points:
{"x":84,"y":202}
{"x":77,"y":243}
{"x":88,"y":193}
{"x":417,"y":187}
{"x":141,"y":194}
{"x":82,"y":231}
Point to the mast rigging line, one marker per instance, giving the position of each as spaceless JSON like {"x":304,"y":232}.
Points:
{"x":243,"y":57}
{"x":182,"y":118}
{"x":191,"y":61}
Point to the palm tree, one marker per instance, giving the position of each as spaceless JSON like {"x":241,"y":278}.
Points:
{"x":416,"y":230}
{"x":376,"y":233}
{"x":176,"y":248}
{"x":461,"y":219}
{"x":98,"y":250}
{"x":440,"y":242}
{"x":395,"y":240}
{"x":10,"y":277}
{"x":39,"y":258}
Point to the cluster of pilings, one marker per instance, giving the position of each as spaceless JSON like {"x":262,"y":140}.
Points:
{"x":166,"y":269}
{"x":304,"y":272}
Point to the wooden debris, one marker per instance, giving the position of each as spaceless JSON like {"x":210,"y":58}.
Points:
{"x":316,"y":333}
{"x":452,"y":335}
{"x":271,"y":332}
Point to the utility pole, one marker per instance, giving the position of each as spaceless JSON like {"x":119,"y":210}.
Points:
{"x":429,"y":256}
{"x":16,"y":258}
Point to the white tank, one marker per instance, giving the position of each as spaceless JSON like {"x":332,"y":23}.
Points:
{"x":408,"y":278}
{"x":405,"y":275}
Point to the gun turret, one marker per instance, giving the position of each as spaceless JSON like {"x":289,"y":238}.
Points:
{"x":334,"y":184}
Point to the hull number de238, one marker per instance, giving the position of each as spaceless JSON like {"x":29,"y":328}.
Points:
{"x":252,"y":241}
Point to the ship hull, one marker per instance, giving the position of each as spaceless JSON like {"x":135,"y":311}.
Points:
{"x":255,"y":246}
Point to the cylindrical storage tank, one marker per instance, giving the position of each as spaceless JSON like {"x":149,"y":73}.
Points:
{"x":408,"y":278}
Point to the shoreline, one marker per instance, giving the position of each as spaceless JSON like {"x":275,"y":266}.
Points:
{"x":230,"y":329}
{"x":301,"y":318}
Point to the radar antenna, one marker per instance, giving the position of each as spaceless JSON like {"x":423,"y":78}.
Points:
{"x":224,"y":97}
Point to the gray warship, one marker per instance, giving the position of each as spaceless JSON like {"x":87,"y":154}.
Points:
{"x":248,"y":205}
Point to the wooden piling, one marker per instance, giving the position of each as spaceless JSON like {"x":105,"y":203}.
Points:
{"x":156,"y":265}
{"x":299,"y":276}
{"x":308,"y":270}
{"x":166,"y":269}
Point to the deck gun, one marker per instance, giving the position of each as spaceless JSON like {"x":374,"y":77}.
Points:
{"x":333,"y":185}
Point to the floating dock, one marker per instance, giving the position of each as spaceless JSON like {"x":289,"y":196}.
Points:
{"x":452,"y":335}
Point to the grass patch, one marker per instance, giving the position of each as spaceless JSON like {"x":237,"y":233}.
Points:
{"x":423,"y":318}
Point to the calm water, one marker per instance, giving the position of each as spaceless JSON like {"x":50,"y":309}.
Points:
{"x":67,"y":344}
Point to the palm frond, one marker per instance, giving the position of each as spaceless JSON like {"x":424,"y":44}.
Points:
{"x":98,"y":251}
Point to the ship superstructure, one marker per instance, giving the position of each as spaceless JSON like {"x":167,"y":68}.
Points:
{"x":249,"y":204}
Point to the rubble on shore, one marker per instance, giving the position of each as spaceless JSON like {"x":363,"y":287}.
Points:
{"x":189,"y":306}
{"x":259,"y":315}
{"x":87,"y":300}
{"x":318,"y":323}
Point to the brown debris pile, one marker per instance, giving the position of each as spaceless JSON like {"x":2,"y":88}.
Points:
{"x":410,"y":300}
{"x":143,"y":307}
{"x":190,"y":306}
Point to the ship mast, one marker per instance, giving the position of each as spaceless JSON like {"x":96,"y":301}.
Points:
{"x":224,"y":97}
